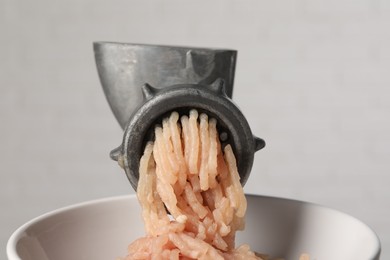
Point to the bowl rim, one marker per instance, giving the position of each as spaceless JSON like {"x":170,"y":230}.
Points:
{"x":19,"y":232}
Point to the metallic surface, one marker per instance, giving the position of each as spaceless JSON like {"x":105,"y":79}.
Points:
{"x":185,"y":78}
{"x":123,"y":68}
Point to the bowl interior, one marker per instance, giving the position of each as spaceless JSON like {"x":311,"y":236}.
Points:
{"x":102,"y":229}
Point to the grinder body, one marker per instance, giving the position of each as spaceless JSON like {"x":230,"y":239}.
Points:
{"x":144,"y":83}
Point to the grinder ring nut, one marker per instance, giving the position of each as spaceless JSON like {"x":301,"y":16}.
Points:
{"x":210,"y":99}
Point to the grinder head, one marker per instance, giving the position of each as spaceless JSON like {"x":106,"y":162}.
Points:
{"x":181,"y":79}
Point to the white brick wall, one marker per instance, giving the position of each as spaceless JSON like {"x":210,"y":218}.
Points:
{"x":312,"y":78}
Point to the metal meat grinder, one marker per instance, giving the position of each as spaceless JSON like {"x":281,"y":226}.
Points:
{"x":144,"y":83}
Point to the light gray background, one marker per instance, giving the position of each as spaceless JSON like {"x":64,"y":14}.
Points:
{"x":312,"y":79}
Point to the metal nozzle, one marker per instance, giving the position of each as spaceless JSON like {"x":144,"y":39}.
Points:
{"x":144,"y":83}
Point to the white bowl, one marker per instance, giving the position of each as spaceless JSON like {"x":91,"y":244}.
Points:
{"x":102,"y":229}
